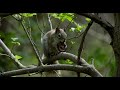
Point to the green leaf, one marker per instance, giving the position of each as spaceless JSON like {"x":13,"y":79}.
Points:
{"x":27,"y":14}
{"x":88,"y":19}
{"x":18,"y":57}
{"x":72,"y":42}
{"x":79,"y":27}
{"x":63,"y":16}
{"x":16,"y":43}
{"x":68,"y":61}
{"x":72,"y":29}
{"x":14,"y":39}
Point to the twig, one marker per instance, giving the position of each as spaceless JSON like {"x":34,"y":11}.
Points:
{"x":38,"y":25}
{"x":37,"y":50}
{"x":69,"y":23}
{"x":5,"y":55}
{"x":76,"y":36}
{"x":8,"y":52}
{"x":92,"y":61}
{"x":31,"y":41}
{"x":43,"y":22}
{"x":81,"y":44}
{"x":50,"y":21}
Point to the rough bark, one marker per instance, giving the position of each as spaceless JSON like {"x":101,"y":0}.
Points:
{"x":116,"y":42}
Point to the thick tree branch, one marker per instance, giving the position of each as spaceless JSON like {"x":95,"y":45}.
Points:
{"x":108,"y":27}
{"x":8,"y":52}
{"x":64,"y":55}
{"x":86,"y":68}
{"x":76,"y":68}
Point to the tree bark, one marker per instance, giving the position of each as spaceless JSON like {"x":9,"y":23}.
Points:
{"x":116,"y":42}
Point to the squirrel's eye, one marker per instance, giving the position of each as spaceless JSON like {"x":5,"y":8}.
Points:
{"x":59,"y":35}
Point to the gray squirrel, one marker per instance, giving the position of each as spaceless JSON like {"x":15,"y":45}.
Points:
{"x":54,"y":42}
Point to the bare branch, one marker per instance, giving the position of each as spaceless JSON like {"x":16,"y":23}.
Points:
{"x":5,"y":55}
{"x":50,"y":21}
{"x":76,"y":68}
{"x":85,"y":68}
{"x":81,"y":44}
{"x":79,"y":35}
{"x":38,"y":25}
{"x":83,"y":39}
{"x":33,"y":45}
{"x":64,"y":55}
{"x":70,"y":23}
{"x":108,"y":27}
{"x":31,"y":41}
{"x":8,"y":52}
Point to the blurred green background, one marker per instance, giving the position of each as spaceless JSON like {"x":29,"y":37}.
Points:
{"x":96,"y":45}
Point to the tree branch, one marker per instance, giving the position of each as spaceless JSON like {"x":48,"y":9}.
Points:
{"x":8,"y":52}
{"x":76,"y":68}
{"x":86,"y":68}
{"x":38,"y":25}
{"x":33,"y":44}
{"x":83,"y":39}
{"x":31,"y":41}
{"x":50,"y":21}
{"x":81,"y":44}
{"x":108,"y":27}
{"x":64,"y":56}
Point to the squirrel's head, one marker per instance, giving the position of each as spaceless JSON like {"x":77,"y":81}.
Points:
{"x":61,"y":38}
{"x":61,"y":34}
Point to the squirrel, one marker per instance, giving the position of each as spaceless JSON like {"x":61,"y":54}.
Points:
{"x":54,"y":42}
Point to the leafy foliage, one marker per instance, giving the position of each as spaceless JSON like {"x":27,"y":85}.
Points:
{"x":70,"y":17}
{"x":14,"y":41}
{"x":27,"y":14}
{"x":63,"y":16}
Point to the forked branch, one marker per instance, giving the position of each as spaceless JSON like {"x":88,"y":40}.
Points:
{"x":85,"y":68}
{"x":108,"y":27}
{"x":8,"y":52}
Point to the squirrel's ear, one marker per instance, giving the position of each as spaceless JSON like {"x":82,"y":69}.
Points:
{"x":64,"y":29}
{"x":57,"y":30}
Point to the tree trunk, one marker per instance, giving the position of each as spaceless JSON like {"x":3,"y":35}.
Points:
{"x":116,"y":42}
